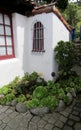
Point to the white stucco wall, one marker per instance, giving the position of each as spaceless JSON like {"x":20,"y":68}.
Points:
{"x":60,"y":32}
{"x":11,"y":68}
{"x":25,"y":60}
{"x":40,"y":62}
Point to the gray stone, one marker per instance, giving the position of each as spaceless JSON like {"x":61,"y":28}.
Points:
{"x":2,"y":126}
{"x":14,"y":103}
{"x":63,"y":119}
{"x":32,"y":126}
{"x":70,"y":98}
{"x":76,"y":118}
{"x":20,"y":107}
{"x":70,"y":122}
{"x":73,"y":92}
{"x":59,"y":124}
{"x":61,"y":105}
{"x":76,"y":113}
{"x":40,"y":111}
{"x":67,"y":128}
{"x":7,"y":128}
{"x":56,"y":128}
{"x":41,"y":123}
{"x":51,"y":120}
{"x":48,"y":127}
{"x":36,"y":119}
{"x":8,"y":104}
{"x":77,"y":126}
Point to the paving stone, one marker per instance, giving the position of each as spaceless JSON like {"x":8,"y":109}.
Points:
{"x":64,"y":113}
{"x":32,"y":126}
{"x":21,"y":128}
{"x":0,"y":122}
{"x":51,"y":120}
{"x":68,"y":110}
{"x":47,"y":116}
{"x":2,"y":126}
{"x":3,"y":109}
{"x":56,"y":128}
{"x":6,"y":119}
{"x":77,"y":109}
{"x":9,"y":111}
{"x":13,"y":124}
{"x":77,"y":126}
{"x":36,"y":119}
{"x":24,"y":122}
{"x":59,"y":124}
{"x":63,"y":119}
{"x":70,"y":122}
{"x":40,"y":129}
{"x":56,"y":115}
{"x":28,"y":116}
{"x":76,"y":113}
{"x":2,"y":116}
{"x":76,"y":118}
{"x":7,"y":128}
{"x":13,"y":114}
{"x":42,"y":123}
{"x":67,"y":128}
{"x":48,"y":127}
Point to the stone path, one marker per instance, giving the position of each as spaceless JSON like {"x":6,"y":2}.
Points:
{"x":69,"y":119}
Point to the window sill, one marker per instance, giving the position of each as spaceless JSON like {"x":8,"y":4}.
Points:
{"x":37,"y":51}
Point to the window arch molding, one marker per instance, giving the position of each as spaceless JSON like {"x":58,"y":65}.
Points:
{"x":38,"y":37}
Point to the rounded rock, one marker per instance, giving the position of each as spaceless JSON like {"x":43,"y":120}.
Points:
{"x":20,"y":107}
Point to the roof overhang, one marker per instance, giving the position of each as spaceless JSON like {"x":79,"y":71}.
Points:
{"x":19,"y":6}
{"x":51,"y":9}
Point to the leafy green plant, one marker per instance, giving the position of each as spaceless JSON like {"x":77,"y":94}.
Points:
{"x":32,"y":103}
{"x":65,"y":57}
{"x":40,"y":92}
{"x":21,"y":98}
{"x":62,"y":95}
{"x":6,"y":99}
{"x":5,"y":90}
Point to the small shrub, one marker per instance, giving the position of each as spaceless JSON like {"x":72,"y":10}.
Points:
{"x":21,"y":98}
{"x":52,"y":102}
{"x":65,"y":57}
{"x":40,"y":92}
{"x":5,"y":90}
{"x":6,"y":99}
{"x":32,"y":103}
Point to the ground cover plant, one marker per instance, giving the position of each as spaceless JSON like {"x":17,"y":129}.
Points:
{"x":34,"y":91}
{"x":42,"y":94}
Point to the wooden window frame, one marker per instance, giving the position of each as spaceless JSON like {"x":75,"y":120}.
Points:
{"x":4,"y":25}
{"x":38,"y":37}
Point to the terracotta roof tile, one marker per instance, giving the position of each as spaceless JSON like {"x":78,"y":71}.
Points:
{"x":49,"y":9}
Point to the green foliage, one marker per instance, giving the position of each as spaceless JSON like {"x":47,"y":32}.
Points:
{"x":21,"y":98}
{"x":71,"y":14}
{"x":5,"y":90}
{"x":62,"y":4}
{"x":65,"y":57}
{"x":52,"y":102}
{"x":62,"y":95}
{"x":40,"y":92}
{"x":32,"y":103}
{"x":7,"y":99}
{"x":28,"y":83}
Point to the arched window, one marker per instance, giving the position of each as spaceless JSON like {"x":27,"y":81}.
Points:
{"x":38,"y":37}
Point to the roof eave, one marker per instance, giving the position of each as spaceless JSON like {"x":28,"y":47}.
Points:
{"x":50,"y":9}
